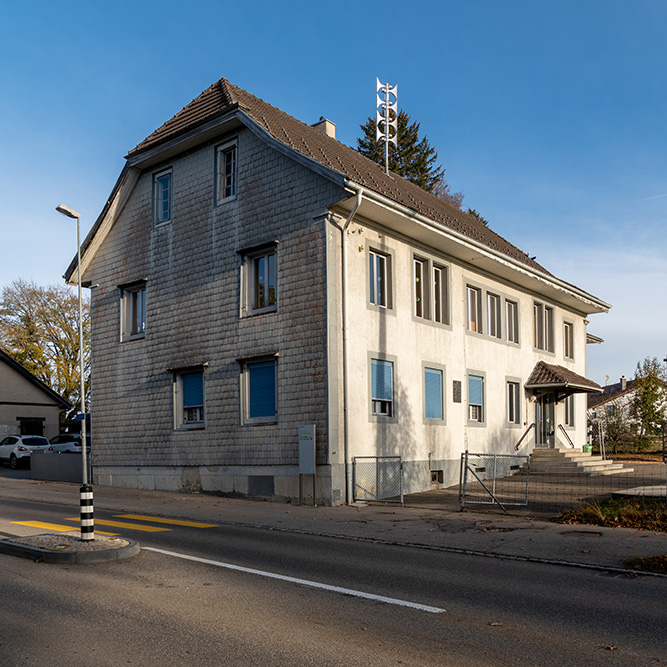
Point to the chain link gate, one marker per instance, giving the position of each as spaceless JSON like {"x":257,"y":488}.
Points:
{"x":488,"y":479}
{"x":377,"y":479}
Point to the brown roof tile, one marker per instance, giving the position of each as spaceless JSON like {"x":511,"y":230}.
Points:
{"x":549,"y":375}
{"x":223,"y":97}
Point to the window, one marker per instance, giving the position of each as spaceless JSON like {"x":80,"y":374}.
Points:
{"x":226,"y":167}
{"x":512,"y":319}
{"x":259,"y":386}
{"x":421,"y":288}
{"x":133,"y":311}
{"x":379,"y":279}
{"x":440,"y":300}
{"x":569,"y":410}
{"x":474,"y":296}
{"x":568,"y":340}
{"x":433,"y":393}
{"x":493,"y":315}
{"x":513,"y":402}
{"x":382,"y":388}
{"x":543,"y":327}
{"x":189,"y":399}
{"x":162,"y":197}
{"x":475,"y":398}
{"x":260,"y":280}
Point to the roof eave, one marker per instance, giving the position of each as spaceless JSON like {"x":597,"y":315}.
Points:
{"x":474,"y":252}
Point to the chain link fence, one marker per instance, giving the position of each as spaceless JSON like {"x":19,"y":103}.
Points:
{"x":494,"y":479}
{"x":377,"y":479}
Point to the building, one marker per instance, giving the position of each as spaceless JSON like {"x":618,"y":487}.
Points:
{"x":27,"y":405}
{"x":250,"y":274}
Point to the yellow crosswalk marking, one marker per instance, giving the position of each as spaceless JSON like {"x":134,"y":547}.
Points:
{"x":175,"y":522}
{"x":54,"y":526}
{"x":121,"y":524}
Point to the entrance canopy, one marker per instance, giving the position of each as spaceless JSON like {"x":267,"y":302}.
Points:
{"x":551,"y":378}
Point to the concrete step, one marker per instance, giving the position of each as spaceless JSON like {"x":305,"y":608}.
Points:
{"x":572,"y":462}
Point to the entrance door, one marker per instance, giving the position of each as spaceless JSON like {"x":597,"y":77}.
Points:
{"x":544,"y":421}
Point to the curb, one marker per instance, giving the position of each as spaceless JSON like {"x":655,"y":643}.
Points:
{"x":70,"y":557}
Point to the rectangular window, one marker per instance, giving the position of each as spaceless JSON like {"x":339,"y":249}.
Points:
{"x":382,"y":388}
{"x":133,"y":311}
{"x":493,"y":315}
{"x":226,"y":166}
{"x":379,"y":279}
{"x":568,"y":340}
{"x":474,"y":297}
{"x":543,"y":327}
{"x":162,"y":197}
{"x":421,"y":288}
{"x":440,"y":295}
{"x":569,"y":410}
{"x":260,"y":399}
{"x":433,"y":393}
{"x":513,"y":403}
{"x":260,"y":280}
{"x":475,"y":398}
{"x":512,"y":320}
{"x":189,"y":399}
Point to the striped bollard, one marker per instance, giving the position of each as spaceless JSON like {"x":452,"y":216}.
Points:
{"x":87,"y":520}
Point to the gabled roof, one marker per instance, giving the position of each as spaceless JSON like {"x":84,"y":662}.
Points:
{"x":223,"y":97}
{"x":551,"y":376}
{"x":21,"y":370}
{"x":611,"y":392}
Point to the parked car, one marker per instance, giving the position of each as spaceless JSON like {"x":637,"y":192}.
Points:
{"x":67,"y":443}
{"x":16,"y":449}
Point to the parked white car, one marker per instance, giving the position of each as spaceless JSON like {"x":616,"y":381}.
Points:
{"x":67,"y":443}
{"x":16,"y":449}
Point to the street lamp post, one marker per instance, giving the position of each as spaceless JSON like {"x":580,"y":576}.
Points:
{"x":86,"y":491}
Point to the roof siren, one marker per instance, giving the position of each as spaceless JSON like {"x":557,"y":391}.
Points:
{"x":386,"y":117}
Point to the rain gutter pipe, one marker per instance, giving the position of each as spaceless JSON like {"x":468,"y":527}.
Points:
{"x":346,"y":429}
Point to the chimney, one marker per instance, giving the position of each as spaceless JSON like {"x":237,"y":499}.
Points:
{"x":624,"y":383}
{"x":326,"y":126}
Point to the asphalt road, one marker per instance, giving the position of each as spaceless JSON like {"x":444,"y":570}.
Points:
{"x":159,"y":608}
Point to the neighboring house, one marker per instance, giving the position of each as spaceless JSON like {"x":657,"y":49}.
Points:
{"x":251,"y":274}
{"x":27,"y":405}
{"x":614,"y":398}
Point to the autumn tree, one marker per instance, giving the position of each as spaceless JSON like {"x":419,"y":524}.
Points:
{"x":648,"y":406}
{"x":414,"y":158}
{"x":39,"y":327}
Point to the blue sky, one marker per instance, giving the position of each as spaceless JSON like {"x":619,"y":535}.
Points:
{"x":548,"y":115}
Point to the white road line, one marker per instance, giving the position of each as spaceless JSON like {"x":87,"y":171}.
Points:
{"x":302,"y":582}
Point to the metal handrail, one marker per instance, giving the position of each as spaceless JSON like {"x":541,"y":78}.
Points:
{"x":521,"y":439}
{"x":560,"y":426}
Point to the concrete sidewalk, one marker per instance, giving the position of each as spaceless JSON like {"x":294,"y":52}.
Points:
{"x":475,"y":532}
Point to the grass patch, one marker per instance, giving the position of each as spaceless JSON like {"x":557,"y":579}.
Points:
{"x":637,"y":513}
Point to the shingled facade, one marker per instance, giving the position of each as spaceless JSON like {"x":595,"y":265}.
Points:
{"x":251,"y":274}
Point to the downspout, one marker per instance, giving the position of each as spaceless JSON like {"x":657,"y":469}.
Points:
{"x":346,"y":429}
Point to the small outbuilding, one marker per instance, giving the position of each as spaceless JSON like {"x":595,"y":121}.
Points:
{"x":27,"y":405}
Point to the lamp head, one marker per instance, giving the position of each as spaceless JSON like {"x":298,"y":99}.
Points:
{"x":69,"y":212}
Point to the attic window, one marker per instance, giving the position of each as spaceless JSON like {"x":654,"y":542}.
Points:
{"x":226,"y":170}
{"x":162,"y":197}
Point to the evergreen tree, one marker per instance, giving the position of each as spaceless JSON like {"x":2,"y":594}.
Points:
{"x":413,"y":158}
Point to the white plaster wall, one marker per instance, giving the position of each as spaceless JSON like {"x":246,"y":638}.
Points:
{"x":411,"y":342}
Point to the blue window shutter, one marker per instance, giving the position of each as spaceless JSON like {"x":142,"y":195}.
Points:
{"x":193,"y":390}
{"x":381,"y":379}
{"x":432,"y":393}
{"x":474,"y":390}
{"x":262,"y":389}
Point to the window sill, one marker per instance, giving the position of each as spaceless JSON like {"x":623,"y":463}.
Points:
{"x":191,"y":427}
{"x":133,"y":337}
